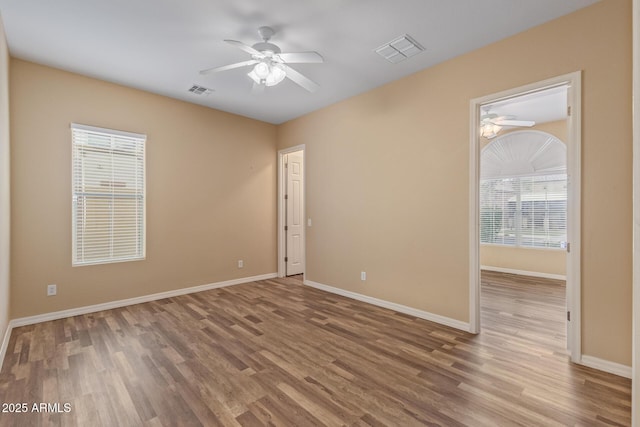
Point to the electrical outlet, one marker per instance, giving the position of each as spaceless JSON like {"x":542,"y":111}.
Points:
{"x":52,"y":290}
{"x":240,"y":263}
{"x":363,"y":275}
{"x":309,"y":222}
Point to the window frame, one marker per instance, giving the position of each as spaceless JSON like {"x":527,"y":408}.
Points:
{"x":141,"y":230}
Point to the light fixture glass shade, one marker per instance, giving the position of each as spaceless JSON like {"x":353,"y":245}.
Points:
{"x":490,"y":130}
{"x":254,"y":77}
{"x":276,"y":75}
{"x":262,"y":70}
{"x":267,"y":74}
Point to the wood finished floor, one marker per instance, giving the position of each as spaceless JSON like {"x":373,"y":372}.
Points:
{"x":275,"y":352}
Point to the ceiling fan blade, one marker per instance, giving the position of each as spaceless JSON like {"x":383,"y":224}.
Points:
{"x":229,"y":67}
{"x":257,"y":89}
{"x":244,"y":47}
{"x":523,"y":123}
{"x":301,"y":58}
{"x":301,"y":80}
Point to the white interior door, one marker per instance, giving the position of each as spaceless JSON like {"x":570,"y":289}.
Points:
{"x":294,"y":201}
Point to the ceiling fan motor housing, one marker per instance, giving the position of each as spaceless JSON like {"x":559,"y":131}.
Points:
{"x":265,"y":47}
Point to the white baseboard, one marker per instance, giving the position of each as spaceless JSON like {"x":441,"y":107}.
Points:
{"x":5,"y":343}
{"x":30,"y":320}
{"x":457,"y":324}
{"x":606,"y":366}
{"x":524,"y":272}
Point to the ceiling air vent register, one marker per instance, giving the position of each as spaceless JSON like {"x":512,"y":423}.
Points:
{"x":200,"y":90}
{"x":399,"y":49}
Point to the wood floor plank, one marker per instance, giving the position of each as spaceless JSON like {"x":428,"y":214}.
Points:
{"x":277,"y":353}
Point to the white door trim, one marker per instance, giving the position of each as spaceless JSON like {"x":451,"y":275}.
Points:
{"x":282,"y":268}
{"x":574,"y":80}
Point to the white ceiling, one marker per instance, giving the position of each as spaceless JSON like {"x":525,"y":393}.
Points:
{"x":160,"y":45}
{"x":542,"y":106}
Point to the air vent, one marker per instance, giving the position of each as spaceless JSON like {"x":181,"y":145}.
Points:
{"x":200,"y":90}
{"x":399,"y":49}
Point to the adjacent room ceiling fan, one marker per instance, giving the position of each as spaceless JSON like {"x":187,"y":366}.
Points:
{"x":492,"y":123}
{"x":270,"y":64}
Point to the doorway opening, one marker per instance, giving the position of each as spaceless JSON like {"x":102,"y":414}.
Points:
{"x":523,"y":224}
{"x":291,"y":211}
{"x":525,"y":212}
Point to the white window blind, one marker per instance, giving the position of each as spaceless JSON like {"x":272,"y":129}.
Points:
{"x":108,"y":195}
{"x":523,"y":190}
{"x":528,"y":211}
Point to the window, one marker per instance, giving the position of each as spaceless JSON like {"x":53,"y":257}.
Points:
{"x":108,"y":195}
{"x":524,"y":211}
{"x":523,"y":191}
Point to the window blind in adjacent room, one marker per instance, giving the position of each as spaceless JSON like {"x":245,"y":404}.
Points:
{"x":523,"y":190}
{"x":529,"y":211}
{"x":108,"y":195}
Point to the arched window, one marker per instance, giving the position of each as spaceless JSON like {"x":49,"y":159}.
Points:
{"x":523,"y":190}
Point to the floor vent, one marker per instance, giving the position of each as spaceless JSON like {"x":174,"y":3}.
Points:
{"x":399,"y":49}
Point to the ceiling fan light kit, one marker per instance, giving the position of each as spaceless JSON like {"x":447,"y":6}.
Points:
{"x":491,"y":124}
{"x":268,"y":74}
{"x":276,"y":75}
{"x":262,"y":70}
{"x":270,"y":64}
{"x":489,"y":130}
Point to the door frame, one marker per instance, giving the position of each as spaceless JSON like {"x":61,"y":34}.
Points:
{"x":574,"y":142}
{"x":635,"y":362}
{"x":282,"y":212}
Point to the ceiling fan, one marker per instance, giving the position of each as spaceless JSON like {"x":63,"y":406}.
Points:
{"x":491,"y":123}
{"x":270,"y":63}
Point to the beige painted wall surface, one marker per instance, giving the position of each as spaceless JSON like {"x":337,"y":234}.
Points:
{"x":5,"y":207}
{"x":388,"y":174}
{"x":528,"y":259}
{"x":211,"y":191}
{"x":548,"y":261}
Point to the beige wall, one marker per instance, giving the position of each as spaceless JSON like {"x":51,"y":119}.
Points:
{"x":528,"y":259}
{"x":547,"y":261}
{"x":5,"y":207}
{"x":388,"y":178}
{"x":211,"y":191}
